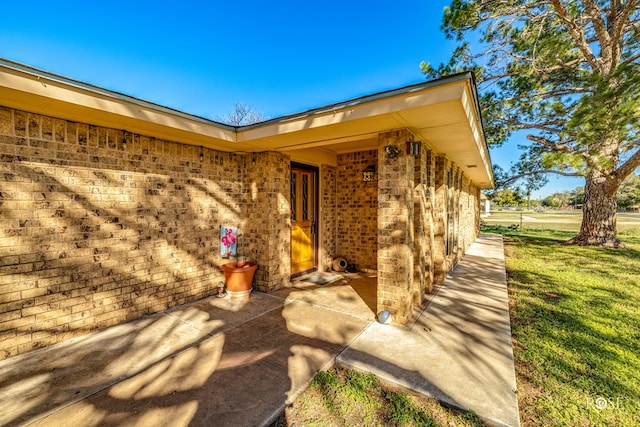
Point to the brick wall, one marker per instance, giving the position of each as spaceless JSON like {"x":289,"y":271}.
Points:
{"x":396,"y":227}
{"x":98,"y":227}
{"x":423,"y":224}
{"x":470,"y":208}
{"x":328,"y":217}
{"x":357,"y":210}
{"x":94,"y":232}
{"x":454,"y":215}
{"x":439,"y":218}
{"x":430,"y":182}
{"x":424,"y":205}
{"x":266,"y":218}
{"x":456,"y":249}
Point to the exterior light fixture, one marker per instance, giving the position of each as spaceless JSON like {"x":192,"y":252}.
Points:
{"x":392,"y":151}
{"x":413,"y":148}
{"x":368,"y":173}
{"x":124,"y":140}
{"x":201,"y":154}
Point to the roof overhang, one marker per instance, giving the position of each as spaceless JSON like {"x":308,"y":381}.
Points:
{"x":443,"y":113}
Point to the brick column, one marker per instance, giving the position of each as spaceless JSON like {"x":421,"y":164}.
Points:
{"x":475,"y":201}
{"x":328,"y":215}
{"x":457,"y":183}
{"x":395,"y":227}
{"x":267,"y":218}
{"x":466,"y":215}
{"x":427,"y":191}
{"x":423,"y":227}
{"x":439,"y":219}
{"x":419,"y":226}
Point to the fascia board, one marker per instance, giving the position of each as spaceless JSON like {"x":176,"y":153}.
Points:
{"x":38,"y":91}
{"x":64,"y":98}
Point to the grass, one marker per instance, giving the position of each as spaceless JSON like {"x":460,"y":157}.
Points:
{"x":341,"y":397}
{"x":575,"y":318}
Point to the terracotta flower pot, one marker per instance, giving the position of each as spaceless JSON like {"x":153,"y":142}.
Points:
{"x":239,"y":278}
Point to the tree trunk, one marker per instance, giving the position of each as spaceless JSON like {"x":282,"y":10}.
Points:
{"x":599,"y":213}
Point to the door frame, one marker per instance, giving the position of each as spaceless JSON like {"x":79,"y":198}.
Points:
{"x":316,"y":210}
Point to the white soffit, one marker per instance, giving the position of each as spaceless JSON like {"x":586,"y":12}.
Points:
{"x":444,"y":113}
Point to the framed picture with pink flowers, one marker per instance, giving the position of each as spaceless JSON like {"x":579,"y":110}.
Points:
{"x":228,"y":241}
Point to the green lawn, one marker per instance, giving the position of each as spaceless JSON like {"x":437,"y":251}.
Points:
{"x":576,"y":329}
{"x":341,"y":397}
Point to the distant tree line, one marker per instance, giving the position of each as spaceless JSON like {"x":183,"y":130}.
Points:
{"x":627,"y":197}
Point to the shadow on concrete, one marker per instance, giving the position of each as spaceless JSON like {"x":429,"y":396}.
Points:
{"x":459,"y":348}
{"x":199,"y":364}
{"x":228,"y":363}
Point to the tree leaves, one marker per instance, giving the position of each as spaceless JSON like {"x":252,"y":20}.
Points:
{"x":566,"y":72}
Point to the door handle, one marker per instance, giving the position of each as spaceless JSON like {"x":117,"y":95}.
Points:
{"x":313,"y":228}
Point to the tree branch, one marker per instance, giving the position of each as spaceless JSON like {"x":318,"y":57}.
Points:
{"x":627,"y":167}
{"x":619,"y":17}
{"x":600,"y":27}
{"x":567,"y":65}
{"x":553,"y":145}
{"x":545,"y":127}
{"x":577,"y":34}
{"x":631,"y":59}
{"x":510,"y":180}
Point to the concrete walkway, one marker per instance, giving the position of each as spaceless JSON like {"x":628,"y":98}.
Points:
{"x":229,"y":363}
{"x":459,"y":349}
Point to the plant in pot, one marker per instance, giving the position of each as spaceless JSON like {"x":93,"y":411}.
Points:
{"x":238,"y":275}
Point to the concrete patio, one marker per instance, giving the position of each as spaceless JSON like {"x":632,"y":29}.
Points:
{"x":230,"y":363}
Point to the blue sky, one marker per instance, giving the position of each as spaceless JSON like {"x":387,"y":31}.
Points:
{"x":201,"y":57}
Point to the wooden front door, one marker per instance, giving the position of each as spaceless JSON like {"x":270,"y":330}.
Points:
{"x":303,"y":219}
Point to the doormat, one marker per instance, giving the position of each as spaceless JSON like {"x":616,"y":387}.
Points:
{"x":321,"y":278}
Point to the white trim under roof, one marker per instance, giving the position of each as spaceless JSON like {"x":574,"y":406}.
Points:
{"x":444,"y":113}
